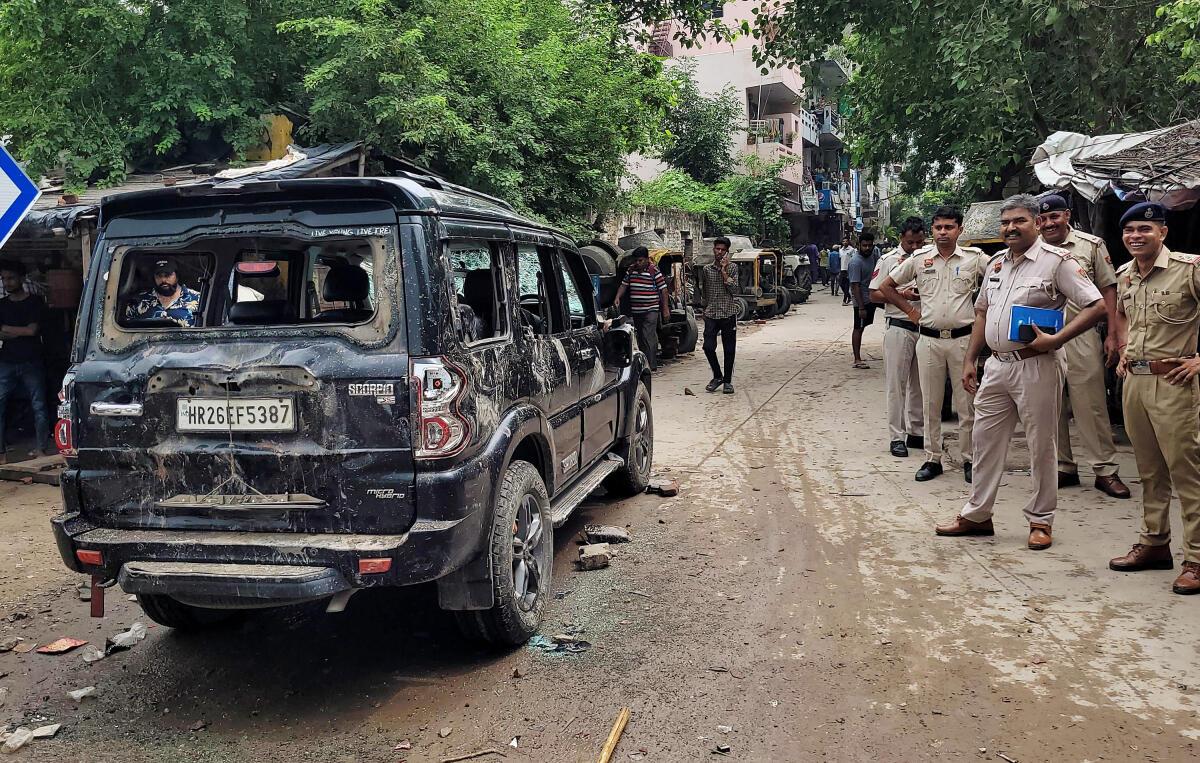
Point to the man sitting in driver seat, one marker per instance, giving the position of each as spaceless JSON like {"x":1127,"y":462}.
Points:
{"x":168,"y":300}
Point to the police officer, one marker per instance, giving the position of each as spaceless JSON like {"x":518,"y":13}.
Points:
{"x":946,"y":277}
{"x":1158,"y":317}
{"x":1086,"y":355}
{"x":906,"y":420}
{"x":1021,"y":381}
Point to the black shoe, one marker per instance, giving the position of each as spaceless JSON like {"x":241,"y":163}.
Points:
{"x":915,"y":441}
{"x":713,"y":385}
{"x":928,"y":471}
{"x":1068,"y":479}
{"x":728,"y":390}
{"x":898,"y":449}
{"x":966,"y":471}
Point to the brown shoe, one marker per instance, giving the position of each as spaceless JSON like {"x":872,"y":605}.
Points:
{"x":1188,"y":581}
{"x":1039,"y":537}
{"x":960,"y":526}
{"x":1112,"y":486}
{"x":1143,"y":557}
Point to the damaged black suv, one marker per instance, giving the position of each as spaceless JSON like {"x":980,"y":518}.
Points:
{"x":289,"y":391}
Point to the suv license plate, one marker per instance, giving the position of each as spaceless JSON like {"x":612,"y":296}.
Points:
{"x":235,"y":415}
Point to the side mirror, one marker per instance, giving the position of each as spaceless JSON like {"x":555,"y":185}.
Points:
{"x":618,"y":347}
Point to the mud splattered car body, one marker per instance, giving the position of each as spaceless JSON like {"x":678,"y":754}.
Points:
{"x":372,"y":358}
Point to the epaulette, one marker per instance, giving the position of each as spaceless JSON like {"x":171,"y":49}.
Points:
{"x":1126,"y":266}
{"x":1191,"y":259}
{"x":972,"y":250}
{"x":926,"y":249}
{"x":1064,"y":253}
{"x":1088,"y":237}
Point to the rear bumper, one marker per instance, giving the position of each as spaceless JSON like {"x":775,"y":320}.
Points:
{"x":237,"y":585}
{"x":430,"y":549}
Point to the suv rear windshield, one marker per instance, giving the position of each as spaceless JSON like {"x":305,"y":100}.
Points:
{"x":246,"y":281}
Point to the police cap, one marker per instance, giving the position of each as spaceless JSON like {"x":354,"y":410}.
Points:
{"x":1052,"y":203}
{"x":1147,"y":211}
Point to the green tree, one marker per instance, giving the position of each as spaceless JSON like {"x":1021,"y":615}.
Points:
{"x":979,"y":85}
{"x":1180,"y":34}
{"x":99,"y":86}
{"x":921,"y":202}
{"x":675,"y":189}
{"x":700,"y":127}
{"x":518,"y":98}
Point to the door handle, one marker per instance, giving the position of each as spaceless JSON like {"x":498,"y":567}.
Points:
{"x":116,"y":409}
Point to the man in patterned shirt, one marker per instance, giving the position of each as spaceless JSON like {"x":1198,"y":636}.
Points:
{"x":168,"y":300}
{"x":720,"y":314}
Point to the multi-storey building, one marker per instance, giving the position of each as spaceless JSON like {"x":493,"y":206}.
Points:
{"x":788,"y":116}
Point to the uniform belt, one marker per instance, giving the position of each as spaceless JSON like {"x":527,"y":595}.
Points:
{"x":903,"y":324}
{"x":1156,"y":367}
{"x":946,"y":333}
{"x":1017,"y":355}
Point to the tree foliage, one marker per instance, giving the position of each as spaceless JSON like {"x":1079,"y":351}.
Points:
{"x":746,"y":203}
{"x":532,"y":100}
{"x":1180,"y":34}
{"x":700,"y":127}
{"x":96,"y":86}
{"x":513,"y":97}
{"x":942,"y":84}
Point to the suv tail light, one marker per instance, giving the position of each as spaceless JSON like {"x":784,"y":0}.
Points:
{"x":440,"y":429}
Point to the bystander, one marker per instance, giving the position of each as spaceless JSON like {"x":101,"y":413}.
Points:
{"x":21,"y":316}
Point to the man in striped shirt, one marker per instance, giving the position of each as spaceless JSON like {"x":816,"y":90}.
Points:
{"x":647,"y":291}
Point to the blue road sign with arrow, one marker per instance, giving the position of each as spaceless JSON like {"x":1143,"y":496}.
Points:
{"x":17,"y":195}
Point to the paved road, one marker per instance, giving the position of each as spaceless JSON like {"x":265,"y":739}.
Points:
{"x":794,"y":592}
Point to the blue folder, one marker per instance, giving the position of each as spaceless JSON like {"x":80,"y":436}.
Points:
{"x":1020,"y":327}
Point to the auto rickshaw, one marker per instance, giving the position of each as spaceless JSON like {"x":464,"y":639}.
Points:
{"x":759,"y":292}
{"x":797,"y":276}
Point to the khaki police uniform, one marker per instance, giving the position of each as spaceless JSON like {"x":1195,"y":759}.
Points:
{"x":904,"y":413}
{"x":1026,"y":389}
{"x":1163,"y":314}
{"x":1085,"y":368}
{"x":947,"y":288}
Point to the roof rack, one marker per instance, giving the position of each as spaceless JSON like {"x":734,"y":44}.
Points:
{"x":426,"y":177}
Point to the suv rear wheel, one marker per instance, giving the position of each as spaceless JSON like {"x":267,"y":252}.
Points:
{"x":522,"y":547}
{"x":638,"y":451}
{"x":173,"y":613}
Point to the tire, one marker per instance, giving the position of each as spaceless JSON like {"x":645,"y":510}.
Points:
{"x":522,"y":551}
{"x":637,"y":449}
{"x":783,"y":302}
{"x":172,"y":613}
{"x":691,"y":334}
{"x":744,"y":311}
{"x":599,"y":261}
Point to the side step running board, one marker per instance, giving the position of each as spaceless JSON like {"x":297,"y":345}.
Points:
{"x":562,"y":507}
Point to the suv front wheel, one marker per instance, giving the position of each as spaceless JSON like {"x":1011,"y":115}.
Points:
{"x":522,"y":550}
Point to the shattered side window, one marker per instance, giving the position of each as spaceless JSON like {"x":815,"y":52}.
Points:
{"x":478,"y":290}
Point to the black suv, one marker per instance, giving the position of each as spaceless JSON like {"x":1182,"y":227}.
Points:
{"x":289,"y":391}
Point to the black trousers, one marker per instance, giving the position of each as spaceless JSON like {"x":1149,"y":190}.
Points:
{"x":728,"y":330}
{"x":646,"y":325}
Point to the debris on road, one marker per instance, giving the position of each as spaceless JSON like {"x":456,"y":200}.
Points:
{"x":513,"y":743}
{"x":725,"y":729}
{"x":25,"y":647}
{"x":688,"y":392}
{"x":722,"y":749}
{"x":516,"y":673}
{"x":476,"y":754}
{"x":405,"y":745}
{"x":61,"y":646}
{"x":8,"y":644}
{"x":595,"y":556}
{"x":614,"y":736}
{"x":93,"y":654}
{"x":3,"y":696}
{"x":198,"y":726}
{"x":126,"y":639}
{"x":606,"y":534}
{"x":15,"y":616}
{"x":17,"y":739}
{"x":446,"y":731}
{"x":79,"y":694}
{"x":85,"y":591}
{"x":667,"y":487}
{"x":46,"y":732}
{"x":563,"y":642}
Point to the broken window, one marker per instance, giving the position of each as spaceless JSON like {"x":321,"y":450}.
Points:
{"x":479,"y":289}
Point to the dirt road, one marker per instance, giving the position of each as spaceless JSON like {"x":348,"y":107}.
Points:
{"x":792,"y":603}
